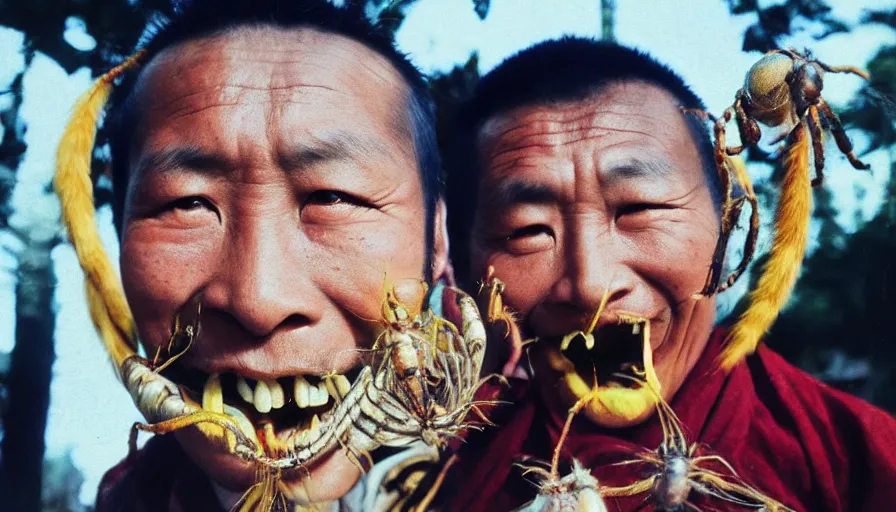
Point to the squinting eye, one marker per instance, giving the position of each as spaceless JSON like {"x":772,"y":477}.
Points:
{"x":530,"y":239}
{"x":189,"y":203}
{"x":190,"y":211}
{"x":635,"y":208}
{"x":332,"y":197}
{"x":326,"y":197}
{"x":329,"y":207}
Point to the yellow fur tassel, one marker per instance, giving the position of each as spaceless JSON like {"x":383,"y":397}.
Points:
{"x":108,"y":307}
{"x":785,"y":258}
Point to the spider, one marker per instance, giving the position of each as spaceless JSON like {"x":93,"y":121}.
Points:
{"x":782,"y":88}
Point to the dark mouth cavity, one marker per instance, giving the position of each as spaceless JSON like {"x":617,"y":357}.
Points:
{"x":617,"y":352}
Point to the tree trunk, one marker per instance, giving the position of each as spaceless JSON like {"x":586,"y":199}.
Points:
{"x":607,"y":20}
{"x":28,"y":382}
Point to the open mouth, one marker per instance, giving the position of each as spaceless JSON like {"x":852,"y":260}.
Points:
{"x":612,"y":364}
{"x":612,"y":356}
{"x":281,"y":415}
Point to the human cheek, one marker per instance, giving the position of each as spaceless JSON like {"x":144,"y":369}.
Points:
{"x":527,"y":279}
{"x":160,"y":273}
{"x":360,"y":258}
{"x":675,"y":257}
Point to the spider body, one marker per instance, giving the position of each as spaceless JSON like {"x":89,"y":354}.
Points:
{"x":785,"y":86}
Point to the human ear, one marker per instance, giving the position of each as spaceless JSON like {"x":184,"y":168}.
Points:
{"x":441,"y":265}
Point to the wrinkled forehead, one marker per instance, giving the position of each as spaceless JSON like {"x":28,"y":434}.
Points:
{"x":629,"y":112}
{"x":273,"y":65}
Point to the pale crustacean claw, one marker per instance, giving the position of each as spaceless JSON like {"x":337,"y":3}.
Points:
{"x":394,"y":402}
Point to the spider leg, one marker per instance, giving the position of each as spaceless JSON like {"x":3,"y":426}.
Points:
{"x":722,"y":495}
{"x":720,"y":155}
{"x":840,"y":137}
{"x":691,"y":506}
{"x":715,"y":458}
{"x":746,"y":185}
{"x":844,"y":69}
{"x":814,"y":122}
{"x":725,"y":488}
{"x":630,"y":490}
{"x":748,"y":127}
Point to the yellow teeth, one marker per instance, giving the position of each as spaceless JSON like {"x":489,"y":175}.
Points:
{"x":315,"y":423}
{"x":262,"y":398}
{"x":212,"y":397}
{"x":337,"y":386}
{"x":277,"y":396}
{"x":318,"y":395}
{"x":302,"y":392}
{"x":245,"y":391}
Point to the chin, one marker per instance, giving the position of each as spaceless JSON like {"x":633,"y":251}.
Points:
{"x":328,"y":479}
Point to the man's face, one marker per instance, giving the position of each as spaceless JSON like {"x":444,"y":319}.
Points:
{"x":273,"y":175}
{"x":604,"y":197}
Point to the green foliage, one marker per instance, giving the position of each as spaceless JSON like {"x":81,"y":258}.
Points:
{"x":873,"y":110}
{"x":777,"y":20}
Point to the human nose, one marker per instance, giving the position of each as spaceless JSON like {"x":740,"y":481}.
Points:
{"x":263,"y":282}
{"x":592,"y":269}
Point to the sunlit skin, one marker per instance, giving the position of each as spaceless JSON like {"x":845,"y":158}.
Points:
{"x":283,"y":186}
{"x":604,"y":195}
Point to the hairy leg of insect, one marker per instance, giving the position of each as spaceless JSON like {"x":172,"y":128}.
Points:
{"x":191,"y":332}
{"x":845,"y":69}
{"x":743,"y":180}
{"x":423,"y":506}
{"x":840,"y":137}
{"x":250,"y":499}
{"x":748,"y":127}
{"x":721,"y":160}
{"x":724,"y":490}
{"x":817,"y":135}
{"x":354,"y":458}
{"x":630,"y":490}
{"x":167,"y":426}
{"x":715,"y":458}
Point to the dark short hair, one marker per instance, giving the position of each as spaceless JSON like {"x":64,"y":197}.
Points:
{"x":195,"y":19}
{"x":550,"y":72}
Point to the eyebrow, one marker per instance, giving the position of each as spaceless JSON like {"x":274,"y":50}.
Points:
{"x":515,"y":191}
{"x":638,"y":168}
{"x":181,"y":157}
{"x":334,"y":146}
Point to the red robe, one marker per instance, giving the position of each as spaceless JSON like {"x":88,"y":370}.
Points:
{"x":788,"y":435}
{"x":159,"y":477}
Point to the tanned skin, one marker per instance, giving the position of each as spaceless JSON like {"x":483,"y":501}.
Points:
{"x":281,"y":185}
{"x":605,"y":195}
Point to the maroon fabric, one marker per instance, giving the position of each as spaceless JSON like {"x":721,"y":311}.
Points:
{"x":792,"y":437}
{"x":160,"y":477}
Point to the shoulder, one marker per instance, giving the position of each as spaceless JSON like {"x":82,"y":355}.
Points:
{"x":849,"y":444}
{"x":153,"y":478}
{"x":841,"y":414}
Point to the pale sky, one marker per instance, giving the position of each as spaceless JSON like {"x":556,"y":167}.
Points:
{"x":90,"y":411}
